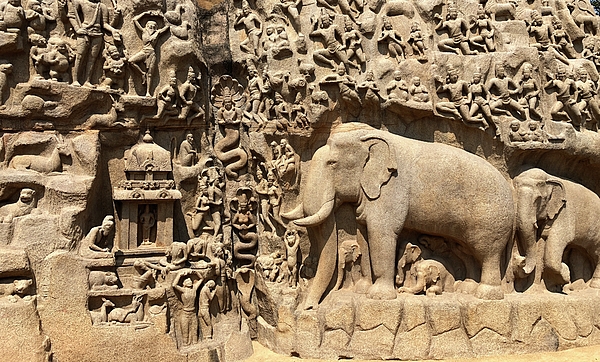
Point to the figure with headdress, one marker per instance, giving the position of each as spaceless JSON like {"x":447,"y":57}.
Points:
{"x":483,"y":31}
{"x":565,"y":107}
{"x":396,"y":47}
{"x":529,"y":90}
{"x":458,"y":92}
{"x":479,"y":98}
{"x":457,"y":32}
{"x":504,"y":88}
{"x":187,"y":94}
{"x":329,"y":33}
{"x":253,"y":27}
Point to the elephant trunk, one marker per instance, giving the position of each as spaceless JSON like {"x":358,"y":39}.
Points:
{"x":319,"y":216}
{"x":527,"y":231}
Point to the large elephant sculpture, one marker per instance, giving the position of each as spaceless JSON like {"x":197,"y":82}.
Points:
{"x":396,"y":183}
{"x":563,"y":213}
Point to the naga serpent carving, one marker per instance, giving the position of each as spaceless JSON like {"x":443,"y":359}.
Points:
{"x":227,"y":149}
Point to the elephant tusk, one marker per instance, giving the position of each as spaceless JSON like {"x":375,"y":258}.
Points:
{"x":319,"y":217}
{"x":295,"y":214}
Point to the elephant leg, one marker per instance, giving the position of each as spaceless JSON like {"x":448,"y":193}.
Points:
{"x":490,"y":286}
{"x":327,"y":256}
{"x":555,"y":248}
{"x":383,"y":253}
{"x":365,"y":282}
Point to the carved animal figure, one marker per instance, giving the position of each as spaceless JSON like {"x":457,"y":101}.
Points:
{"x":5,"y":70}
{"x":17,"y":289}
{"x":42,"y":164}
{"x":564,"y":213}
{"x":417,"y":275}
{"x":133,"y":313}
{"x":101,"y":316}
{"x":505,"y":10}
{"x":101,"y":280}
{"x":24,"y":206}
{"x":348,"y":254}
{"x":227,"y":150}
{"x":398,"y":183}
{"x":104,"y":120}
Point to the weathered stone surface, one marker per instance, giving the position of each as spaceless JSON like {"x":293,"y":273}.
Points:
{"x":414,"y":344}
{"x":493,"y":315}
{"x":443,"y":316}
{"x":375,"y":342}
{"x":371,"y":312}
{"x":451,"y":343}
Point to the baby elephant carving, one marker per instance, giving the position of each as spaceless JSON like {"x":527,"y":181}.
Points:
{"x":417,"y":275}
{"x":348,"y":254}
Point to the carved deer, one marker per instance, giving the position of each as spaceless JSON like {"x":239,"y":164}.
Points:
{"x":101,"y":316}
{"x":133,"y":313}
{"x":42,"y":164}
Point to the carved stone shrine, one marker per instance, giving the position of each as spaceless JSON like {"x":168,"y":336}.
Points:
{"x":379,"y":179}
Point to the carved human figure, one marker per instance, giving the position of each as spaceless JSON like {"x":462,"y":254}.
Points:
{"x":348,"y":254}
{"x":58,"y":59}
{"x":188,"y":320}
{"x":416,"y":39}
{"x":479,"y":98}
{"x":187,"y":153}
{"x":175,"y":258}
{"x":214,"y":192}
{"x":167,"y":97}
{"x":589,"y":50}
{"x":149,"y":34}
{"x":534,"y":133}
{"x":458,"y":92}
{"x":542,"y":33}
{"x":395,"y":45}
{"x":292,"y":245}
{"x":262,"y":189}
{"x":253,"y":27}
{"x":244,"y":223}
{"x":457,"y":32}
{"x":255,"y":89}
{"x":202,"y":207}
{"x":37,"y":18}
{"x":418,"y":275}
{"x":561,"y":39}
{"x":584,"y":15}
{"x":148,"y":221}
{"x":418,"y":92}
{"x":90,"y":20}
{"x":146,"y":276}
{"x":565,"y":106}
{"x":344,"y":6}
{"x":207,"y":293}
{"x":39,"y":47}
{"x":397,"y":88}
{"x":503,"y":87}
{"x":114,"y":69}
{"x":291,"y":8}
{"x":333,"y":49}
{"x":5,"y":70}
{"x":352,"y":40}
{"x":12,"y":16}
{"x":482,"y":32}
{"x":299,"y":117}
{"x":529,"y":91}
{"x":222,"y":271}
{"x":98,"y":235}
{"x":187,"y":94}
{"x":346,"y":86}
{"x":369,"y":86}
{"x":587,"y":92}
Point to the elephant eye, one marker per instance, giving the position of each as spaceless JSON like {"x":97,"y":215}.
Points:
{"x":331,"y":162}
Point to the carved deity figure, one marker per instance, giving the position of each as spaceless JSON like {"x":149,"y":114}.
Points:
{"x":12,"y":16}
{"x":397,"y":88}
{"x":58,"y":59}
{"x":253,"y":27}
{"x":114,"y":69}
{"x":369,"y":86}
{"x":542,"y":33}
{"x":148,"y":221}
{"x":479,"y":97}
{"x":98,"y":235}
{"x":207,"y":293}
{"x":262,"y":189}
{"x":147,"y":56}
{"x":565,"y":107}
{"x":457,"y":32}
{"x":167,"y":97}
{"x":190,"y":109}
{"x":503,"y":87}
{"x":291,"y":7}
{"x":535,"y":132}
{"x":516,"y":133}
{"x":229,"y":118}
{"x":244,"y":223}
{"x":37,"y":18}
{"x":482,"y":32}
{"x":329,"y":33}
{"x":458,"y":93}
{"x":187,"y":152}
{"x":292,"y":245}
{"x":529,"y":91}
{"x":188,"y":321}
{"x":418,"y":92}
{"x":395,"y":45}
{"x":352,"y":40}
{"x":90,"y":20}
{"x":416,"y":39}
{"x":561,"y":39}
{"x":588,"y":92}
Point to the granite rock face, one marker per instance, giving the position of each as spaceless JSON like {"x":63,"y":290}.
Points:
{"x":394,"y":179}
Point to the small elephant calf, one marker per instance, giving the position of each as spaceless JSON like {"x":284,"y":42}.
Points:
{"x":417,"y":275}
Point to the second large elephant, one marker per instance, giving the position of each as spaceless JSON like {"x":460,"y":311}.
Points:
{"x":397,"y":183}
{"x":563,"y":213}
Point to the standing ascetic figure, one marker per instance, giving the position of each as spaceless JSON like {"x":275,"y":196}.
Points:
{"x":378,"y":173}
{"x":90,"y":20}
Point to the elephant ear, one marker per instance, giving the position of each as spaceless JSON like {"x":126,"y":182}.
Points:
{"x":557,"y":199}
{"x":379,"y":166}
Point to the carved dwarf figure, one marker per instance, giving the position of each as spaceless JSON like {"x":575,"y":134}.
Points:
{"x":418,"y":92}
{"x":292,"y":244}
{"x":397,"y":88}
{"x":417,"y":275}
{"x":37,"y":17}
{"x":114,"y":69}
{"x":12,"y":16}
{"x":58,"y":59}
{"x":187,"y":152}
